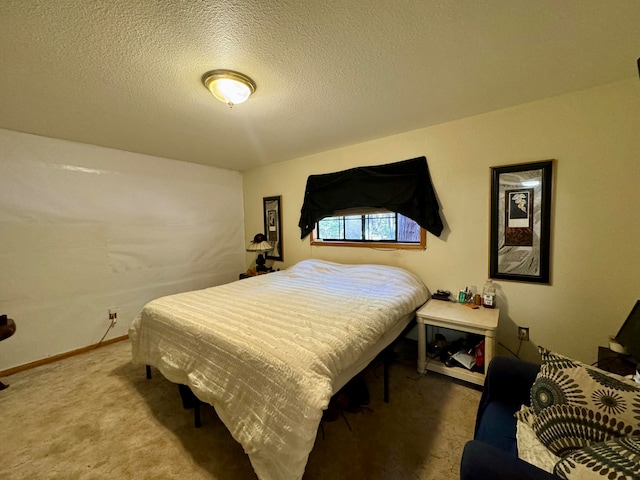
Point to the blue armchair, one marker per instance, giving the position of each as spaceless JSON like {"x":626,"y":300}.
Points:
{"x":493,"y":454}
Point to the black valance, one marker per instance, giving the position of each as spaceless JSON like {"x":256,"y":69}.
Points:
{"x":402,"y":187}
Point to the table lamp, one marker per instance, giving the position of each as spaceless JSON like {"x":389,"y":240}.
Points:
{"x":259,"y":244}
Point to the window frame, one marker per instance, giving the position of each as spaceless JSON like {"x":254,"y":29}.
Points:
{"x":314,"y":240}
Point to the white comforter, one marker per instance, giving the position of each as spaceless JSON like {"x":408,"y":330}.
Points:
{"x":265,"y":351}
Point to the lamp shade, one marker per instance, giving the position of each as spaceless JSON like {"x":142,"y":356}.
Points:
{"x":259,"y":244}
{"x":259,"y":247}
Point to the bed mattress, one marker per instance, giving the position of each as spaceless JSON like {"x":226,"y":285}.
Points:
{"x":269,"y":351}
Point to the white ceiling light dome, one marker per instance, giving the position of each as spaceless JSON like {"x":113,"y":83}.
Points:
{"x":228,"y":86}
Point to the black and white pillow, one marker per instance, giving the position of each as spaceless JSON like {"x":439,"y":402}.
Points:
{"x":576,"y":405}
{"x":617,"y":459}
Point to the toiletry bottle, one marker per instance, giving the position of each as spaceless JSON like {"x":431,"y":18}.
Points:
{"x":489,"y":294}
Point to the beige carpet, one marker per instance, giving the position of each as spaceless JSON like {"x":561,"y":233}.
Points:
{"x":95,"y":416}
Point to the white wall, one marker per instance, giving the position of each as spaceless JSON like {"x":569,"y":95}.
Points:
{"x":593,"y":135}
{"x":85,"y":228}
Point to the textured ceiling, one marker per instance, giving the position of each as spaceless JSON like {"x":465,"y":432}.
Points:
{"x":127,"y":74}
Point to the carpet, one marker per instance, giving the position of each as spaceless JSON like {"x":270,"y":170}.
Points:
{"x":96,"y":416}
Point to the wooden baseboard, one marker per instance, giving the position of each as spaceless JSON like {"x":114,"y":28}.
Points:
{"x":55,"y":358}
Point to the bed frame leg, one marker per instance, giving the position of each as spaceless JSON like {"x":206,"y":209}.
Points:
{"x":189,"y":400}
{"x":186,"y":395}
{"x":387,"y":358}
{"x":385,"y":362}
{"x":148,"y":368}
{"x":196,"y":414}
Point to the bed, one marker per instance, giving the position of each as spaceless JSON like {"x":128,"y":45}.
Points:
{"x":268,"y":352}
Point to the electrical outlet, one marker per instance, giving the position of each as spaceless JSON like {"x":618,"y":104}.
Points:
{"x":523,"y":333}
{"x":113,"y":317}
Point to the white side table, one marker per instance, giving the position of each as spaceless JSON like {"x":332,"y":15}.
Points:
{"x":481,"y":321}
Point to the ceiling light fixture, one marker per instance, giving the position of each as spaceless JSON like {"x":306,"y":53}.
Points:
{"x":228,"y":86}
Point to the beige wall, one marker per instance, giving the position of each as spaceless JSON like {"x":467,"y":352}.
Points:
{"x":593,"y":135}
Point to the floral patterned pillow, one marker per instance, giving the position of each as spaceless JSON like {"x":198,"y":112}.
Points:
{"x":576,"y":405}
{"x":530,"y":448}
{"x":615,"y":459}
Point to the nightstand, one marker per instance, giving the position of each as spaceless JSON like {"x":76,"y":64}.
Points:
{"x":439,"y":313}
{"x":615,"y":362}
{"x":252,"y":273}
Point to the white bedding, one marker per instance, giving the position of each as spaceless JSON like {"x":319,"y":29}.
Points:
{"x":267,"y":351}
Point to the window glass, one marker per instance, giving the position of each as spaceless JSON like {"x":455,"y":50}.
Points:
{"x":331,"y":228}
{"x":352,"y":227}
{"x":408,"y":230}
{"x":381,"y":226}
{"x":369,"y":229}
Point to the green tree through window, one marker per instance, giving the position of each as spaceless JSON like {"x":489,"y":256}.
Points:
{"x":387,"y":227}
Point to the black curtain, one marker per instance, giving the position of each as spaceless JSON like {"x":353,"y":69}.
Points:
{"x":402,"y":187}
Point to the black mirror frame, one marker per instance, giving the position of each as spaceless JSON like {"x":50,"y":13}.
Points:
{"x":537,"y":254}
{"x":272,"y":209}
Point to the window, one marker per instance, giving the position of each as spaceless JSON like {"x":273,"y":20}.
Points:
{"x":381,"y":229}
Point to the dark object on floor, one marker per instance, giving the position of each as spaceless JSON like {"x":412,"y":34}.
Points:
{"x":350,"y":398}
{"x":7,"y":328}
{"x":493,"y":453}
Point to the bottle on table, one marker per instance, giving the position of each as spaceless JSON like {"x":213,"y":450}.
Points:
{"x":489,"y":294}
